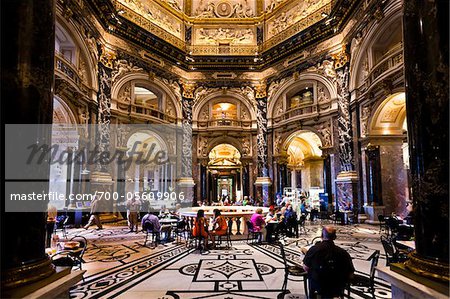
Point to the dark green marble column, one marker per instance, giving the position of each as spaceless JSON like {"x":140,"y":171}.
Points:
{"x":426,"y":32}
{"x":27,"y":59}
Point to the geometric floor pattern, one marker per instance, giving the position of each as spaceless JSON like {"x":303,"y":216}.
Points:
{"x":119,"y":266}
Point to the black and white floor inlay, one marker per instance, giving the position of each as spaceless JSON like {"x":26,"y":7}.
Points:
{"x":121,"y":267}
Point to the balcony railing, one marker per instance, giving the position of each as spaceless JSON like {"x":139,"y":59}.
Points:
{"x":390,"y":60}
{"x":150,"y":113}
{"x":305,"y":111}
{"x":225,"y":122}
{"x":67,"y":68}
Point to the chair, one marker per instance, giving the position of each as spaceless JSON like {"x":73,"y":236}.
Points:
{"x":227,"y":239}
{"x":296,"y":271}
{"x":256,"y":235}
{"x":149,"y":228}
{"x":181,"y":230}
{"x":61,"y":223}
{"x":74,"y":257}
{"x":364,"y":281}
{"x":382,"y":221}
{"x":392,"y":254}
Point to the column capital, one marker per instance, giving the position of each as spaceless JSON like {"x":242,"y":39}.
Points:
{"x":188,"y":89}
{"x":341,"y":58}
{"x":107,"y":57}
{"x":260,"y":90}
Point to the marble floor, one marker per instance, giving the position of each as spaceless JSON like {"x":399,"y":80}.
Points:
{"x":119,"y":266}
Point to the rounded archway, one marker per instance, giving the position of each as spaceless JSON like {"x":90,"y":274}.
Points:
{"x":224,"y":173}
{"x":305,"y":166}
{"x":387,"y":150}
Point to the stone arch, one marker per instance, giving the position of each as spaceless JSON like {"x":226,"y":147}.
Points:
{"x":167,"y":92}
{"x":84,"y":50}
{"x":291,"y":84}
{"x":224,"y":140}
{"x":393,"y":13}
{"x":388,"y":116}
{"x":315,"y":146}
{"x":62,"y":113}
{"x":229,"y":94}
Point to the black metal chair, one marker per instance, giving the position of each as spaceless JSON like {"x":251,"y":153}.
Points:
{"x":292,"y":272}
{"x":255,"y":235}
{"x":382,"y":221}
{"x":392,"y":254}
{"x":364,"y":281}
{"x":71,"y":257}
{"x":218,"y":240}
{"x":149,"y":228}
{"x":181,"y":230}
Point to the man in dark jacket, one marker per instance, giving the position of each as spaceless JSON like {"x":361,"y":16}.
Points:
{"x":329,"y":267}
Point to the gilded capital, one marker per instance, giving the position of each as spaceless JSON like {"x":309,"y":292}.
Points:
{"x":107,"y":57}
{"x":188,"y":89}
{"x":341,"y":58}
{"x":260,"y":90}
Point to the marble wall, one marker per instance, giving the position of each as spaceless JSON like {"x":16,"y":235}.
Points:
{"x":394,"y":179}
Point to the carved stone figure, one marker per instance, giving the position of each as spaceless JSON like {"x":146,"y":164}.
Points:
{"x":122,"y":67}
{"x":321,"y":95}
{"x":224,"y":10}
{"x":325,"y":131}
{"x":125,"y":96}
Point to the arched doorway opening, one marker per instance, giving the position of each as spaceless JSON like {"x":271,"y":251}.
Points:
{"x":305,"y":166}
{"x":65,"y":172}
{"x":224,"y":173}
{"x":149,"y":172}
{"x":387,"y":149}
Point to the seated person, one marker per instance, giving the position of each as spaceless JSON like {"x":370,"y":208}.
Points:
{"x":200,"y":229}
{"x":271,"y":223}
{"x":156,"y":225}
{"x":258,"y":223}
{"x":220,"y":226}
{"x":245,"y":202}
{"x":330,"y":268}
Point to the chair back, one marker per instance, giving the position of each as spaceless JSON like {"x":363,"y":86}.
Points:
{"x":302,"y":219}
{"x":388,"y":249}
{"x":373,"y":265}
{"x":282,"y":254}
{"x":250,"y":226}
{"x":381,"y":218}
{"x":83,"y":245}
{"x":315,"y":240}
{"x":148,"y":226}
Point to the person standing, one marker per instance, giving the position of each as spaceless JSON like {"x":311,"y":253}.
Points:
{"x":133,"y":208}
{"x":95,"y":212}
{"x":329,"y":267}
{"x":52,"y":212}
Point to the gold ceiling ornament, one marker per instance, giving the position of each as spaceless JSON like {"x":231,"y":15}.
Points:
{"x":188,"y":89}
{"x":260,"y":90}
{"x":341,"y":58}
{"x":107,"y":57}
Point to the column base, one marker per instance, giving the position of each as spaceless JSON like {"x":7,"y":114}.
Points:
{"x":263,"y":185}
{"x":406,"y":284}
{"x":26,"y":274}
{"x":346,"y":189}
{"x":428,"y":268}
{"x":372,"y":213}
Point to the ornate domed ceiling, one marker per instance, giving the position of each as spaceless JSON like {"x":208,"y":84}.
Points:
{"x":242,"y":33}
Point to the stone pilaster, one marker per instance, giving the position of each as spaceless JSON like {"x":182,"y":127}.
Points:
{"x":186,"y":182}
{"x":263,"y":181}
{"x":347,"y":179}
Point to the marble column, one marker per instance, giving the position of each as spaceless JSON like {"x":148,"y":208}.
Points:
{"x":347,"y":179}
{"x":263,"y":181}
{"x":426,"y":55}
{"x":327,"y":183}
{"x":28,"y":39}
{"x":101,"y":178}
{"x":186,"y":182}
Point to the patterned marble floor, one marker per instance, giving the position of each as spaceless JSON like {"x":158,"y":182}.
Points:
{"x":119,"y":266}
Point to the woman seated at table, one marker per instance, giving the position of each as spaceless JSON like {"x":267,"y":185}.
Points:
{"x":258,"y":223}
{"x":200,"y":228}
{"x":219,"y":226}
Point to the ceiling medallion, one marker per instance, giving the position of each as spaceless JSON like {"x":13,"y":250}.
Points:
{"x":224,"y":9}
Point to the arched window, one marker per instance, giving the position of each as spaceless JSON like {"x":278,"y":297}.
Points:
{"x":146,"y":98}
{"x":64,"y":45}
